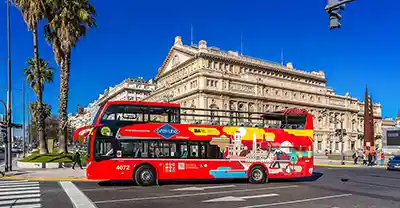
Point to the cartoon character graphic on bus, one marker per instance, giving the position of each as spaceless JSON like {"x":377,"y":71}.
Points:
{"x":277,"y":153}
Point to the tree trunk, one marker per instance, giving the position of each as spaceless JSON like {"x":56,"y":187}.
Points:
{"x":39,"y":94}
{"x":64,"y":88}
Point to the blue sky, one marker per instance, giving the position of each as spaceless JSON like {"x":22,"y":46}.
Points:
{"x":134,"y":37}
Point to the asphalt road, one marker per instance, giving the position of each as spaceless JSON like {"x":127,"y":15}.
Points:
{"x":330,"y":188}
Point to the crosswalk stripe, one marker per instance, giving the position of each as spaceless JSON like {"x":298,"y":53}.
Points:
{"x":25,"y":206}
{"x":19,"y":192}
{"x":1,"y":182}
{"x":18,"y":183}
{"x":18,"y":189}
{"x":20,"y":201}
{"x":20,"y":196}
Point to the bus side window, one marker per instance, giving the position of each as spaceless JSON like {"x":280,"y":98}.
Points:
{"x":173,"y":150}
{"x":213,"y":152}
{"x":194,"y":150}
{"x":127,"y":149}
{"x":184,"y":150}
{"x":103,"y":148}
{"x":145,"y":152}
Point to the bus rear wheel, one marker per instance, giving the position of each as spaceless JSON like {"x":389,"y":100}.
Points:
{"x":145,"y":175}
{"x":258,"y":175}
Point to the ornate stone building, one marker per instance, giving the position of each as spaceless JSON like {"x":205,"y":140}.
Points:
{"x":205,"y":77}
{"x":129,"y":89}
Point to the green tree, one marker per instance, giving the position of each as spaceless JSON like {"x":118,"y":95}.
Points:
{"x":32,"y":11}
{"x":37,"y":79}
{"x":68,"y":22}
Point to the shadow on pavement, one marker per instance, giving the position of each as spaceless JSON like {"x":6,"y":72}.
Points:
{"x":314,"y":177}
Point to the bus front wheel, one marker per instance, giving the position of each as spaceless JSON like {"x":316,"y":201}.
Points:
{"x":258,"y":175}
{"x":145,"y":175}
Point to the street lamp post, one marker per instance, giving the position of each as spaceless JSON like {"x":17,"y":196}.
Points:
{"x":9,"y":112}
{"x":340,"y":135}
{"x":341,"y":141}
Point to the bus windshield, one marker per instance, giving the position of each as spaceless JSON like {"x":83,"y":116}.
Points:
{"x":141,"y":114}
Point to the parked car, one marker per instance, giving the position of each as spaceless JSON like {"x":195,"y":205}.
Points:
{"x":394,"y":163}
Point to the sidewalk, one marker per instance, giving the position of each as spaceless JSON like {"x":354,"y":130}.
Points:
{"x":337,"y":163}
{"x":59,"y":174}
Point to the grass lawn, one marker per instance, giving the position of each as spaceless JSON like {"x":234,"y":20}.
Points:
{"x":48,"y":158}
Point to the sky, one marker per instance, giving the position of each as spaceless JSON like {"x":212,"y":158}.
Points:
{"x":133,"y":38}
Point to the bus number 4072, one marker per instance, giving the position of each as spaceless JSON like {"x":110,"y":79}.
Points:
{"x":122,"y":167}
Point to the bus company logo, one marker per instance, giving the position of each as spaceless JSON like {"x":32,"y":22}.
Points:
{"x":167,"y":131}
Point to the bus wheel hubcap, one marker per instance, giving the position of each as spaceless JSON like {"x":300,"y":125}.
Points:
{"x":257,"y":175}
{"x":146,"y":175}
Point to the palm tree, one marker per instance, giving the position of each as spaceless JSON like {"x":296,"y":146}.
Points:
{"x":32,"y":11}
{"x":36,"y":79}
{"x":68,"y":23}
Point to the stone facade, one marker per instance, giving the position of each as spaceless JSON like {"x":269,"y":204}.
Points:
{"x":388,"y":123}
{"x":204,"y":77}
{"x":129,"y":89}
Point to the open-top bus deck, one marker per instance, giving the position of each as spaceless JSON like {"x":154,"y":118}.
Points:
{"x":147,"y":142}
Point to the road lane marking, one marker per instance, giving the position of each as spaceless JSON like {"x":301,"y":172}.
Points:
{"x":194,"y":194}
{"x":237,"y":198}
{"x":77,"y":197}
{"x":194,"y":188}
{"x":297,"y":201}
{"x":106,"y":189}
{"x":9,"y":202}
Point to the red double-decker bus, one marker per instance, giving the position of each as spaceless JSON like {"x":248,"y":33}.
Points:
{"x":149,"y":141}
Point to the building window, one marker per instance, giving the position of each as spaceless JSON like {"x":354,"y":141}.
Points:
{"x":319,"y":146}
{"x":337,"y":146}
{"x":353,"y":145}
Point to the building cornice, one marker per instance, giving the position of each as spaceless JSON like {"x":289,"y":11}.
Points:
{"x":255,"y":63}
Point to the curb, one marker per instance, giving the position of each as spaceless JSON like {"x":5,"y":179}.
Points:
{"x":344,"y":166}
{"x":44,"y":179}
{"x":40,"y":165}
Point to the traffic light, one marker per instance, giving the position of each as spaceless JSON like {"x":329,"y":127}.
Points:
{"x":3,"y":131}
{"x":332,"y":8}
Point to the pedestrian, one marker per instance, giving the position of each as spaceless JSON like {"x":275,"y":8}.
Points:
{"x":364,"y":158}
{"x":375,"y":158}
{"x":369,"y":158}
{"x":77,"y":159}
{"x":355,"y":157}
{"x":382,"y":157}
